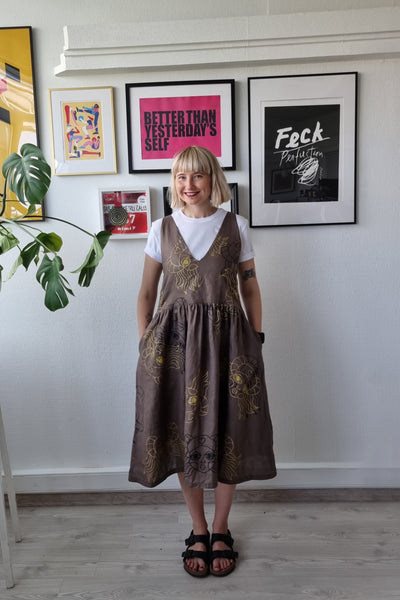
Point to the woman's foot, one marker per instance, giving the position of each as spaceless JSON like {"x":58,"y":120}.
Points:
{"x":222,"y":558}
{"x":196,"y":556}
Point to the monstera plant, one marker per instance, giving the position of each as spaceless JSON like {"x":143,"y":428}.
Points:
{"x":28,"y":175}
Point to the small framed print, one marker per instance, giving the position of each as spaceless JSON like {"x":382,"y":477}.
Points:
{"x":83,"y":131}
{"x":125,"y":213}
{"x":282,"y":180}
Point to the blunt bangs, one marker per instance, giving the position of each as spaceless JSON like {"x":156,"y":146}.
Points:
{"x":193,"y":158}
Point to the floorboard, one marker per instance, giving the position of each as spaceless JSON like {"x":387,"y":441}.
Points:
{"x":288,"y":551}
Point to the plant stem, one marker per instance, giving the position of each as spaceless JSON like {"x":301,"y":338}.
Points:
{"x":20,"y":223}
{"x":72,"y":225}
{"x":3,"y":199}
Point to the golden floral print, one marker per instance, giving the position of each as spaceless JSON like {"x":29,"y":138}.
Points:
{"x":197,"y":397}
{"x":151,"y":463}
{"x":184,"y":267}
{"x":218,"y":244}
{"x":230,"y":461}
{"x":220,"y":314}
{"x":245,"y":385}
{"x":232,"y":293}
{"x":156,"y":453}
{"x":157,"y":355}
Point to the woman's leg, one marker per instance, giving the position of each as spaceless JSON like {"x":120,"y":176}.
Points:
{"x":194,"y":498}
{"x":224,"y":494}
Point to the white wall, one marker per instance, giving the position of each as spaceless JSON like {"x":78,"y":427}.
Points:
{"x":330,"y":293}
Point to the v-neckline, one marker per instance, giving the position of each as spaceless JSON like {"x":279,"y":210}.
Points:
{"x":212,"y":243}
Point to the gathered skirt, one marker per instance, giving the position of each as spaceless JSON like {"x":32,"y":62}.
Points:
{"x":201,"y":399}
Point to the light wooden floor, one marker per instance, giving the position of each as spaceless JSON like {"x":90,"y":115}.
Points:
{"x":288,"y":551}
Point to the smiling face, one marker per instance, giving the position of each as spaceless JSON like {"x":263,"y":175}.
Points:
{"x":193,"y":188}
{"x":197,"y":160}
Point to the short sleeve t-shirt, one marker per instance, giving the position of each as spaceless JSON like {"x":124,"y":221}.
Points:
{"x":199,"y":234}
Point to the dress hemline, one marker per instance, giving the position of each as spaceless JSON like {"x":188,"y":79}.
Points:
{"x":271,"y":475}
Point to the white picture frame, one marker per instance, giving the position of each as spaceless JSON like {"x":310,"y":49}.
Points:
{"x":125,"y":212}
{"x":83,"y":136}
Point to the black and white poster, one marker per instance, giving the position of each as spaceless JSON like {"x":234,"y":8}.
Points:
{"x":302,"y":153}
{"x":302,"y":149}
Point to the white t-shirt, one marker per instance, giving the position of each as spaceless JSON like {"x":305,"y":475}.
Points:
{"x":199,"y":234}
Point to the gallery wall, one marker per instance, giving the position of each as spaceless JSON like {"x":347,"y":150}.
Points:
{"x":330,"y":293}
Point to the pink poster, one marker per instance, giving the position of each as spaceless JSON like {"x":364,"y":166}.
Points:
{"x":169,"y":124}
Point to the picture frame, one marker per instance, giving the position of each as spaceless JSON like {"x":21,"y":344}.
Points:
{"x":302,"y":145}
{"x":163,"y":118}
{"x":282,"y":180}
{"x":232,"y":205}
{"x":18,"y":107}
{"x":166,"y":204}
{"x":83,"y":135}
{"x":125,"y":212}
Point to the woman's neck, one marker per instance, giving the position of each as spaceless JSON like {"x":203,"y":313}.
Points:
{"x":199,"y":212}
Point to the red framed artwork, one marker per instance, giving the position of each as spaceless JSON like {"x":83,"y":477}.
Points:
{"x":125,"y":213}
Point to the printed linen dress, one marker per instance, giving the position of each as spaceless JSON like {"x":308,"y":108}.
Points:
{"x":201,"y":399}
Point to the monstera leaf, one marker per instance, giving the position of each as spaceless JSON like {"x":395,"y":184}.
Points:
{"x":54,"y":284}
{"x":86,"y":271}
{"x":28,"y":175}
{"x":7,"y":240}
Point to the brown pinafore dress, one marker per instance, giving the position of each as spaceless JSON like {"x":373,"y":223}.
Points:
{"x":201,"y":399}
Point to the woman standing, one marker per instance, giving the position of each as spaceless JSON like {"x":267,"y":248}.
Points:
{"x":201,"y":402}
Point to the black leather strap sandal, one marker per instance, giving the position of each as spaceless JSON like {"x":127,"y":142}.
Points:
{"x":204,"y":555}
{"x":230,"y":554}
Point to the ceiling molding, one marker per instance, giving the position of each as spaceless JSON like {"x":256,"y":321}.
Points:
{"x":162,"y":45}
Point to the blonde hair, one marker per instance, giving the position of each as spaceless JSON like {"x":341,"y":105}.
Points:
{"x":199,"y":160}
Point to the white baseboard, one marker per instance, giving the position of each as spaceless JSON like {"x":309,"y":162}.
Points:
{"x":290,"y":476}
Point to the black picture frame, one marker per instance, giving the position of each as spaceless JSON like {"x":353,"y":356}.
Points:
{"x":302,"y":146}
{"x":163,"y":118}
{"x":18,"y":106}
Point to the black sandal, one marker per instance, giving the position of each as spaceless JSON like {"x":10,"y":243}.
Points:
{"x":204,"y":555}
{"x":227,"y":539}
